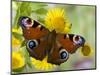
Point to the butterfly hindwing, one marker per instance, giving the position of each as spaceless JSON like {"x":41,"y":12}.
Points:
{"x":37,"y":50}
{"x":57,"y":55}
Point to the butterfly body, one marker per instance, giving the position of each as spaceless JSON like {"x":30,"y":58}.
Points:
{"x":41,"y":42}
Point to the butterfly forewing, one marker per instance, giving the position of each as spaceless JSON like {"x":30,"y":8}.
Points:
{"x":35,"y":32}
{"x":67,"y":42}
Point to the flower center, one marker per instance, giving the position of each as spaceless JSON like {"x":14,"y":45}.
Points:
{"x":59,"y":24}
{"x":86,"y":50}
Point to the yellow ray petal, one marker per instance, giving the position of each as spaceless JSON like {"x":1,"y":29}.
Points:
{"x":42,"y":65}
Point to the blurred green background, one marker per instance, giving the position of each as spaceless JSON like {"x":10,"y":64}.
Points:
{"x":82,"y":18}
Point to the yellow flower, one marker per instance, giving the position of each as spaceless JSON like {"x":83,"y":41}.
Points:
{"x":87,"y":50}
{"x":15,"y":42}
{"x":55,"y":20}
{"x":43,"y":65}
{"x":18,"y":60}
{"x":19,"y":30}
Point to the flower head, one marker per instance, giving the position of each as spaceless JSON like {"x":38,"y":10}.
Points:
{"x":55,"y":20}
{"x":42,"y":65}
{"x":87,"y":50}
{"x":19,"y":30}
{"x":18,"y":60}
{"x":15,"y":41}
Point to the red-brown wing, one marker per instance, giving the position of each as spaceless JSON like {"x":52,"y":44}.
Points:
{"x":33,"y":30}
{"x":40,"y":51}
{"x":34,"y":33}
{"x":70,"y":42}
{"x":57,"y":55}
{"x":64,"y":44}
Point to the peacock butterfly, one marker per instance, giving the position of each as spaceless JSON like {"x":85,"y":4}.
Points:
{"x":41,"y":42}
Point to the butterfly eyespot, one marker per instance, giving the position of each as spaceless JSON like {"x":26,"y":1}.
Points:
{"x":64,"y":54}
{"x":77,"y":39}
{"x":26,"y":22}
{"x":31,"y":44}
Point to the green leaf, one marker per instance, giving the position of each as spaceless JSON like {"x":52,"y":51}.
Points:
{"x":29,"y":63}
{"x":23,"y":43}
{"x":18,"y":70}
{"x":16,"y":19}
{"x":36,"y":6}
{"x":41,"y":20}
{"x":28,"y":60}
{"x":24,"y":9}
{"x":27,"y":57}
{"x":17,"y":36}
{"x":41,"y":11}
